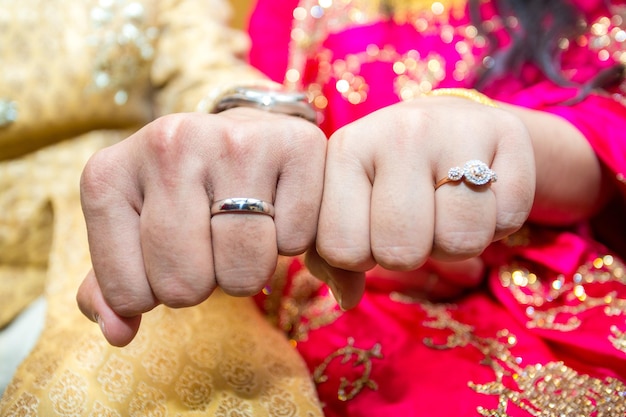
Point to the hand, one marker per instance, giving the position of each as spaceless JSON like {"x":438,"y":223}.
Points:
{"x":380,"y":206}
{"x":146,"y":203}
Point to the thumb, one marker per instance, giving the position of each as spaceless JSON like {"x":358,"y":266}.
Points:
{"x":118,"y":331}
{"x":347,"y":286}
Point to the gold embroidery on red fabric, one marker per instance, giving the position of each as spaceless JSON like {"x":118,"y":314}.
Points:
{"x":306,"y":308}
{"x":556,"y":390}
{"x":618,"y":338}
{"x":549,"y":390}
{"x":315,"y":20}
{"x":575,"y":294}
{"x":274,"y":291}
{"x":362,"y":357}
{"x":607,"y":38}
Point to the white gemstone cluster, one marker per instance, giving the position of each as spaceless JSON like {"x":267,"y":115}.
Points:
{"x":475,"y":172}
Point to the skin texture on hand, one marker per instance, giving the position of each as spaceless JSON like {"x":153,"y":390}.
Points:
{"x":363,"y":201}
{"x":146,"y":202}
{"x":393,"y":217}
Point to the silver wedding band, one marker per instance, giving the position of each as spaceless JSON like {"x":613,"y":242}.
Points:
{"x":242,"y":205}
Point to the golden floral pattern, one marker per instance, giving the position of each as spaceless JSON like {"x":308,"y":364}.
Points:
{"x":618,"y":338}
{"x":116,"y":378}
{"x":362,"y":358}
{"x":69,"y":395}
{"x":280,"y":401}
{"x":147,"y":402}
{"x":304,"y":307}
{"x":159,"y":362}
{"x":100,"y":410}
{"x":233,"y":407}
{"x":195,"y":388}
{"x":557,"y":304}
{"x":556,"y":390}
{"x":25,"y":406}
{"x":542,"y":390}
{"x":239,"y":374}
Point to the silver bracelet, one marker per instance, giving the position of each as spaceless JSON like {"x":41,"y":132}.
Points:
{"x":266,"y":98}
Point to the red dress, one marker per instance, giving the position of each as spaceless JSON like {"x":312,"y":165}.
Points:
{"x":546,"y":334}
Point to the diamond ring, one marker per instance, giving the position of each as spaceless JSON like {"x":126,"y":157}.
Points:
{"x":474,"y":172}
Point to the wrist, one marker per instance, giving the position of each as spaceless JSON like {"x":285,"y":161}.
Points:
{"x":466,"y":93}
{"x":266,"y":96}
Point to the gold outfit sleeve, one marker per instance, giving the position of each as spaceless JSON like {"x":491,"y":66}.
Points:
{"x":88,"y":92}
{"x":186,"y":75}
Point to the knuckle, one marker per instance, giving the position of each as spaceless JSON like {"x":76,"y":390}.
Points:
{"x":295,"y":245}
{"x":129,"y":305}
{"x":510,"y":222}
{"x":299,"y":235}
{"x":243,"y":282}
{"x":345,"y":256}
{"x":516,"y":207}
{"x":399,"y":258}
{"x":179,"y":293}
{"x":463,"y":244}
{"x":238,"y":141}
{"x":97,"y":177}
{"x":340,"y":142}
{"x":180,"y":300}
{"x":168,"y":138}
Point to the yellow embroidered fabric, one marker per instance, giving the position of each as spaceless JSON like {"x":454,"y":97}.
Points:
{"x":215,"y":358}
{"x":72,"y":67}
{"x":101,"y":58}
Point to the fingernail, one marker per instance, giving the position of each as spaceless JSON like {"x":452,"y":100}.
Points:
{"x":101,"y":324}
{"x":336,"y":293}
